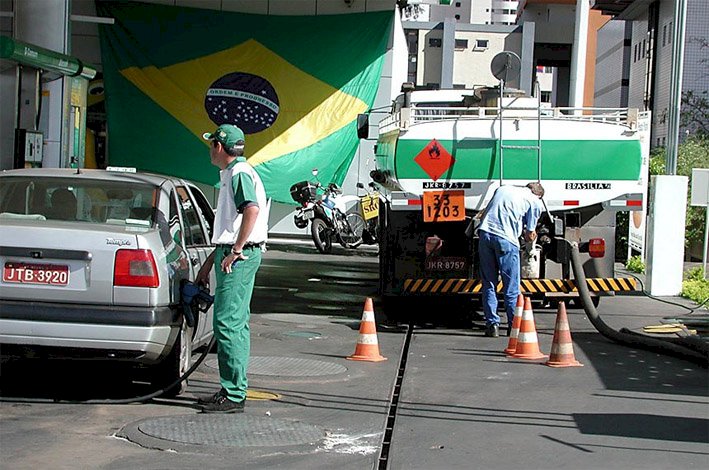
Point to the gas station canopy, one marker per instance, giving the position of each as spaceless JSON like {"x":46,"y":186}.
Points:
{"x":38,"y":57}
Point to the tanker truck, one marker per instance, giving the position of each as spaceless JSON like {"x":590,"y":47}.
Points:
{"x":440,"y":156}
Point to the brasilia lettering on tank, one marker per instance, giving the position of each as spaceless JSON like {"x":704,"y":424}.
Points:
{"x":243,"y":99}
{"x":588,"y":186}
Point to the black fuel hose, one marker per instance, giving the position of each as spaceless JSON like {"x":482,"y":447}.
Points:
{"x":121,"y":401}
{"x":625,"y":336}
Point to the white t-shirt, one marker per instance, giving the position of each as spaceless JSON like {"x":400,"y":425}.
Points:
{"x":239,"y":183}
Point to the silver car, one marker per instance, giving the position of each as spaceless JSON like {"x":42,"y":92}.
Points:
{"x":92,"y":264}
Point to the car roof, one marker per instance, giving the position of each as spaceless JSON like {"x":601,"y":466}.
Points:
{"x":136,"y":177}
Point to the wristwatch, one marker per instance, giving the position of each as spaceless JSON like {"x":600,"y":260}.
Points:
{"x":234,"y":252}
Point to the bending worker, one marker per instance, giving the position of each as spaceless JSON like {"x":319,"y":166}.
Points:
{"x":512,"y":212}
{"x":240,"y":233}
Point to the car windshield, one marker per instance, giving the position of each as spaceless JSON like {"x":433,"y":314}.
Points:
{"x":94,"y":201}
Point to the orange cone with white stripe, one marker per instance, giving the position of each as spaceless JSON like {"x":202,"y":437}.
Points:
{"x":562,"y":349}
{"x":514,"y":331}
{"x":527,"y":342}
{"x":367,"y":348}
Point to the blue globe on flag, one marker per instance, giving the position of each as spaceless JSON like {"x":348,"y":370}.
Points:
{"x":243,"y":99}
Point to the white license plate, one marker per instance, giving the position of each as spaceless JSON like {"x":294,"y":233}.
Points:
{"x":308,"y":214}
{"x":36,"y":273}
{"x":446,"y":263}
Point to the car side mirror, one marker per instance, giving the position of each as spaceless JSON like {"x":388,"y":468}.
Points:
{"x":363,"y":126}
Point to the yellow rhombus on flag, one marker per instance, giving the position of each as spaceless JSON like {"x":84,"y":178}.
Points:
{"x":308,"y":109}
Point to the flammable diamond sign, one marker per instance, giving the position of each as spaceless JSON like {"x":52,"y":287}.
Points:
{"x":434,"y":159}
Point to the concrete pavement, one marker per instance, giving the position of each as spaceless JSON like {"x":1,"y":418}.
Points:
{"x":464,"y":404}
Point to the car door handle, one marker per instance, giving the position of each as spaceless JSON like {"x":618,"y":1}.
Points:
{"x":194,"y":260}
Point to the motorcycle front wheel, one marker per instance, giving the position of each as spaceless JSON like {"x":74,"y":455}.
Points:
{"x":321,"y":236}
{"x":351,"y":236}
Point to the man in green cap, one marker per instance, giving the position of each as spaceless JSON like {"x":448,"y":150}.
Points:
{"x":240,"y":234}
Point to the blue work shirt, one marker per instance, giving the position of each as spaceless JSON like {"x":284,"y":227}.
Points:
{"x":511,"y":209}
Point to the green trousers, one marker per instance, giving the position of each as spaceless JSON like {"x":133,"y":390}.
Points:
{"x":232,"y":311}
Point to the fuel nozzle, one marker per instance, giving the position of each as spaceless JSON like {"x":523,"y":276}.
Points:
{"x":194,"y":299}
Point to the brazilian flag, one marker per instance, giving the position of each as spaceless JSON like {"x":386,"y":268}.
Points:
{"x":293,"y":84}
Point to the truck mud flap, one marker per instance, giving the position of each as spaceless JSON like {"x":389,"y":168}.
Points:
{"x":527,"y":286}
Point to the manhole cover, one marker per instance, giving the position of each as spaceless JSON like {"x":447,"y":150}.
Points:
{"x":288,"y":366}
{"x":298,"y":318}
{"x":350,"y":275}
{"x":230,"y":430}
{"x":339,"y":297}
{"x":302,"y":334}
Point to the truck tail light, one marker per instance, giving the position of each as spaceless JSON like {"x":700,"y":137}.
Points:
{"x":597,"y":247}
{"x":135,"y":268}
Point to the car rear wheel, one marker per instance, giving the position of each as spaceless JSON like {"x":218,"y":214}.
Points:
{"x":177,"y":362}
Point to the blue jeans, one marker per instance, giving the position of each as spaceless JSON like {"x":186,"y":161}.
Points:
{"x":498,"y":256}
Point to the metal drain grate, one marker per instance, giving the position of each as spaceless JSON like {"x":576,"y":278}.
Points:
{"x":288,"y":366}
{"x":230,"y":430}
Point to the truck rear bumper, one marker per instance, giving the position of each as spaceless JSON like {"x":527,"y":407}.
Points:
{"x":527,"y":286}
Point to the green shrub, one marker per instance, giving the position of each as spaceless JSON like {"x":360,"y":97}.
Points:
{"x":635,"y":265}
{"x":695,"y":287}
{"x":695,"y":274}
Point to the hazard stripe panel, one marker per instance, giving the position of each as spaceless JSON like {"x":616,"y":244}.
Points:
{"x":527,"y":286}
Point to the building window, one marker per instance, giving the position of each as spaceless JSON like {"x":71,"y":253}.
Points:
{"x":644,"y":47}
{"x":457,"y":4}
{"x":434,"y":42}
{"x":669,"y":31}
{"x":635,"y":53}
{"x":457,"y":17}
{"x":481,"y":44}
{"x":461,"y":44}
{"x":458,"y":86}
{"x":664,"y":35}
{"x":545,"y":96}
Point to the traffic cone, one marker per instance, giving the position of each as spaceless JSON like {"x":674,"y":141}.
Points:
{"x":562,"y":349}
{"x":516,"y":321}
{"x":367,"y":348}
{"x":527,"y":342}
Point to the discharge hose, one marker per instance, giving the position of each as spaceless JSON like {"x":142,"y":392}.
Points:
{"x":626,"y":337}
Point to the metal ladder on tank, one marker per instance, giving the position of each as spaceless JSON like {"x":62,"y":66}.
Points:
{"x":537,"y":147}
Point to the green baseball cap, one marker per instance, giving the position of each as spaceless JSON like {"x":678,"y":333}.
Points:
{"x":227,"y":134}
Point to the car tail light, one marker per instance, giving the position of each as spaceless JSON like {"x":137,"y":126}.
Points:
{"x":597,"y":247}
{"x":135,"y":268}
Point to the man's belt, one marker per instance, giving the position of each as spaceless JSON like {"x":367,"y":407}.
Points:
{"x":247,"y":245}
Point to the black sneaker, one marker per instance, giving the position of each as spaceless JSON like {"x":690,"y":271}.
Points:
{"x":223,"y":405}
{"x":509,"y":330}
{"x":492,"y":331}
{"x":211,"y":398}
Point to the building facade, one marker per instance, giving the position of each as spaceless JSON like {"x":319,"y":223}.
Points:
{"x":635,"y":59}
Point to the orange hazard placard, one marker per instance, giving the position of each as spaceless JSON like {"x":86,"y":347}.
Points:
{"x":443,"y":206}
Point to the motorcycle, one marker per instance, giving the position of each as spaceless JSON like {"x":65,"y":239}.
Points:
{"x":328,"y":215}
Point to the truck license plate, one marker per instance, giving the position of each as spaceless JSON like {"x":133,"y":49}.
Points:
{"x":35,"y":273}
{"x":446,"y":263}
{"x":443,"y":206}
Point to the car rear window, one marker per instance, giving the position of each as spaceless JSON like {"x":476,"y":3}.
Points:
{"x":79,"y":200}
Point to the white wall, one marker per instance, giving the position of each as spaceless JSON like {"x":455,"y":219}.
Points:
{"x":472,"y":66}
